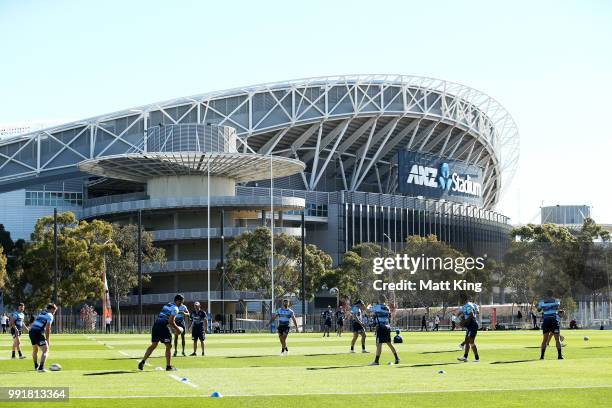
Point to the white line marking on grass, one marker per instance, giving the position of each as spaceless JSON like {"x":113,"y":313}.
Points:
{"x":344,"y":393}
{"x":179,"y":379}
{"x":124,"y":353}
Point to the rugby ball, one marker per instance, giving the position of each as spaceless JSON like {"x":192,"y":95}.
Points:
{"x":55,"y":367}
{"x":586,"y":338}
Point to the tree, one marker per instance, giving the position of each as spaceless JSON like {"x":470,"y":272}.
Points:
{"x":444,"y":264}
{"x":249,"y":264}
{"x":15,"y":282}
{"x":82,"y":247}
{"x":354,"y":276}
{"x":2,"y":269}
{"x":5,"y":240}
{"x":552,"y":256}
{"x":122,"y":267}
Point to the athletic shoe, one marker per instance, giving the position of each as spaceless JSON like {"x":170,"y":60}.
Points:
{"x":364,"y":351}
{"x":203,"y":354}
{"x":141,"y":364}
{"x":397,"y":361}
{"x":477,"y":360}
{"x":13,"y":358}
{"x":170,"y":368}
{"x":461,"y":346}
{"x":41,"y":370}
{"x":193,"y":354}
{"x":374,"y":363}
{"x":174,"y":355}
{"x":464,"y":359}
{"x":282,"y":354}
{"x":560,"y":358}
{"x":286,"y":352}
{"x":22,"y":357}
{"x":352,"y":351}
{"x":184,"y":354}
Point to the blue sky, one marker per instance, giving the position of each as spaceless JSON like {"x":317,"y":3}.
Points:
{"x":548,"y":62}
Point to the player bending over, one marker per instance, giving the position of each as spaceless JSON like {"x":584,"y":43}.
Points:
{"x":285,"y":316}
{"x":180,"y":322}
{"x":549,"y":306}
{"x":382,"y":320}
{"x":469,"y":313}
{"x":160,"y":332}
{"x":327,"y":320}
{"x":17,"y":325}
{"x":40,"y":335}
{"x":357,"y":312}
{"x":199,"y":323}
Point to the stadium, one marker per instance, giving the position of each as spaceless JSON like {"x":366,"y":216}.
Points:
{"x":364,"y":158}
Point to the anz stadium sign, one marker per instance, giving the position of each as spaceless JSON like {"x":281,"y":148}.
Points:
{"x":431,"y":176}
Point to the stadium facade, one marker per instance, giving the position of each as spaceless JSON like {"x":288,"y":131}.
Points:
{"x":367,"y":158}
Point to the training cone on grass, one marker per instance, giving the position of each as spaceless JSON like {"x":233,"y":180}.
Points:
{"x":216,"y":394}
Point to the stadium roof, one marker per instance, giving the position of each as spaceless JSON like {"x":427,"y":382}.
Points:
{"x":350,"y":125}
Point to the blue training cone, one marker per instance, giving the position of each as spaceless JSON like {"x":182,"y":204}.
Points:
{"x":216,"y":394}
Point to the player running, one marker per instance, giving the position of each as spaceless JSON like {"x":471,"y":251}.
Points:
{"x":469,"y":313}
{"x":285,"y":315}
{"x":40,"y":334}
{"x":161,"y":331}
{"x":549,"y":306}
{"x":339,"y":321}
{"x":357,"y":311}
{"x":327,"y":320}
{"x":180,"y":322}
{"x":382,"y":321}
{"x":17,"y":324}
{"x":199,"y":323}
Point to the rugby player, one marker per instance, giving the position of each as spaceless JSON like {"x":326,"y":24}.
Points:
{"x":339,"y":321}
{"x":17,"y":324}
{"x":180,"y":322}
{"x":285,"y":315}
{"x":161,"y":331}
{"x":327,"y":320}
{"x":382,"y":321}
{"x":549,"y":306}
{"x":357,"y":326}
{"x":40,"y":334}
{"x":199,"y":323}
{"x":469,"y":313}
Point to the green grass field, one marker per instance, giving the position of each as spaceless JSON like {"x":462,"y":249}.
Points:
{"x":246,"y":368}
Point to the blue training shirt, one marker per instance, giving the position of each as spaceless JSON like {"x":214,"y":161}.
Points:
{"x":181,"y":313}
{"x":168,"y":310}
{"x":549,"y":308}
{"x":45,"y":317}
{"x":18,"y":319}
{"x":356,"y":313}
{"x":284,"y":316}
{"x":382,"y":314}
{"x":470,"y":309}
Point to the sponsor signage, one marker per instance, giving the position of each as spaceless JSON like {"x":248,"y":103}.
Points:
{"x":431,"y":176}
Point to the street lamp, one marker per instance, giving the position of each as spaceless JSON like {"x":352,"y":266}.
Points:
{"x":335,"y":291}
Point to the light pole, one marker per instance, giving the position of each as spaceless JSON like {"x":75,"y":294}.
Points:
{"x":335,"y":291}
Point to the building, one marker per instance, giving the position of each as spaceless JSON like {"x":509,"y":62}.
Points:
{"x":368,"y":158}
{"x":569,"y":215}
{"x":18,"y":128}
